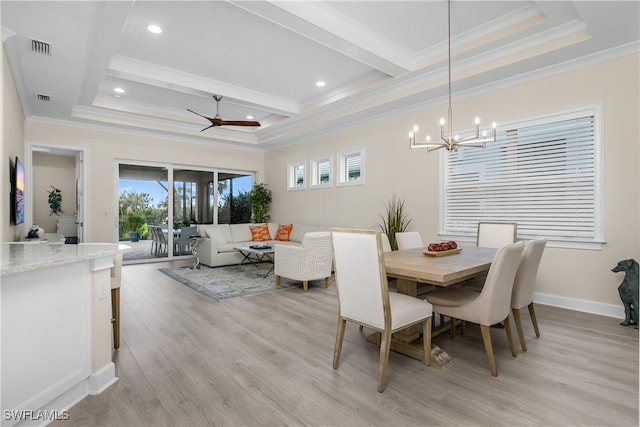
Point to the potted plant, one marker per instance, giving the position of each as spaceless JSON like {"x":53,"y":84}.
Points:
{"x":134,"y":221}
{"x":394,"y":220}
{"x":260,"y":201}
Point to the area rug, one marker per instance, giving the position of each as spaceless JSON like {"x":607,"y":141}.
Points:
{"x":231,"y":281}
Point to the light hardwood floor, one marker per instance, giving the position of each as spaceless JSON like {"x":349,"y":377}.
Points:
{"x":187,"y":360}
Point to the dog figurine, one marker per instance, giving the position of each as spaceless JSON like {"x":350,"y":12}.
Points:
{"x":628,"y":290}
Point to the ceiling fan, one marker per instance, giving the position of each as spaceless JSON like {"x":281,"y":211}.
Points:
{"x":217,"y":121}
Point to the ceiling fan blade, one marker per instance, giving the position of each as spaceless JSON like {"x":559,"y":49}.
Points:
{"x":237,"y":123}
{"x":217,"y":121}
{"x":208,"y":127}
{"x":191,"y":111}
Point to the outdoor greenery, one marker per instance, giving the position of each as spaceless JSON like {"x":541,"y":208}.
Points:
{"x":260,"y":199}
{"x":234,"y":209}
{"x":394,"y":220}
{"x":136,"y":211}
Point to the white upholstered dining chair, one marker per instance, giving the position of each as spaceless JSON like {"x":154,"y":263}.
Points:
{"x":364,"y":297}
{"x":489,"y":307}
{"x":491,"y":235}
{"x":409,"y":240}
{"x":524,"y":284}
{"x":496,"y":234}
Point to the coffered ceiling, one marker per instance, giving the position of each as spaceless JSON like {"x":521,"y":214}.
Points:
{"x":377,"y":58}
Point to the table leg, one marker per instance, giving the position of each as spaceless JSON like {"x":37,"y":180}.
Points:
{"x":412,"y":333}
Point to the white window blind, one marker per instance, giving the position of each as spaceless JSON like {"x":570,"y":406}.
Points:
{"x":542,"y":176}
{"x":351,"y":167}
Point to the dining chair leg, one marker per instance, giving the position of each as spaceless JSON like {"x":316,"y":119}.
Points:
{"x":305,"y":285}
{"x":486,"y":338}
{"x":342,"y":323}
{"x":385,"y":346}
{"x":326,"y":281}
{"x":463,"y":327}
{"x":278,"y":280}
{"x":532,"y":313}
{"x":516,"y":317}
{"x":507,"y":328}
{"x":426,"y":340}
{"x":452,"y":327}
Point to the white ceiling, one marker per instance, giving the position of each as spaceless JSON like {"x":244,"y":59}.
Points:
{"x":376,"y":57}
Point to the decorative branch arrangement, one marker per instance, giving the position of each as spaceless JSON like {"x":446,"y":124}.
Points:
{"x":55,"y":201}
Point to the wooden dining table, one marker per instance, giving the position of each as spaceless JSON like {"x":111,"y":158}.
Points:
{"x":412,"y":268}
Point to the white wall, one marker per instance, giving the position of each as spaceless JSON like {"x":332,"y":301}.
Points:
{"x":413,"y":174}
{"x":12,"y":129}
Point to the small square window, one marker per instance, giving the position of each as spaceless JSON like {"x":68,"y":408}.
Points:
{"x":321,"y":168}
{"x":296,"y":176}
{"x":351,"y":167}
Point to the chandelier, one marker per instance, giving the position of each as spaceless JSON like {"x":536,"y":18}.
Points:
{"x":448,"y":139}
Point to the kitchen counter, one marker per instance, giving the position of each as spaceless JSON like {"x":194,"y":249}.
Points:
{"x":22,"y":257}
{"x":56,"y":333}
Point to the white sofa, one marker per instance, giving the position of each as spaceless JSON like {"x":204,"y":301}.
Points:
{"x":215,"y":248}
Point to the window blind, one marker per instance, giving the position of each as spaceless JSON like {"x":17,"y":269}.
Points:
{"x":542,"y":176}
{"x":352,"y":163}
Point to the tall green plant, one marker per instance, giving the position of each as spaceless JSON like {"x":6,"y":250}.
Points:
{"x":260,"y":199}
{"x":394,"y":220}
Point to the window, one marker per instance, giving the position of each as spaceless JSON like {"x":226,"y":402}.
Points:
{"x":351,"y":167}
{"x":543,"y":174}
{"x":321,"y":172}
{"x":296,"y":176}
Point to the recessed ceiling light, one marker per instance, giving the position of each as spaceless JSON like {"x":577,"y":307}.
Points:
{"x":249,"y":117}
{"x":118,"y":90}
{"x":155,"y":29}
{"x":320,"y":83}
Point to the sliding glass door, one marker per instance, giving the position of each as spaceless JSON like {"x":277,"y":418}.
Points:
{"x":143,"y":210}
{"x":155,"y":231}
{"x":233,"y":198}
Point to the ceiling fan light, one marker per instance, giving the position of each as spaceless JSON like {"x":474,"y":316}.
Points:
{"x":320,"y":83}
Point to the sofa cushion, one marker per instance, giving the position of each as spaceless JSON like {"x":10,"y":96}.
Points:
{"x":220,"y":232}
{"x":297,"y":232}
{"x":284,"y":230}
{"x":240,"y":233}
{"x":260,"y":232}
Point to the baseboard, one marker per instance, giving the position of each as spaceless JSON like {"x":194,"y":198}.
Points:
{"x":102,"y":378}
{"x":602,"y":309}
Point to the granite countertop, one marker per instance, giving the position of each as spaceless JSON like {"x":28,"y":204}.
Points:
{"x":21,"y":257}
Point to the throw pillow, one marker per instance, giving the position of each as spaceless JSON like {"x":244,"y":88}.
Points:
{"x":260,"y":233}
{"x":284,"y":230}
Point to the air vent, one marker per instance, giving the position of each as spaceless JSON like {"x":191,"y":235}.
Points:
{"x":42,"y":97}
{"x":38,"y":46}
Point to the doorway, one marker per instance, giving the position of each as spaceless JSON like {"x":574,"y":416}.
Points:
{"x":61,"y":170}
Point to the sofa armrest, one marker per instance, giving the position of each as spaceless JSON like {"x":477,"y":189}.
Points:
{"x":208,"y":251}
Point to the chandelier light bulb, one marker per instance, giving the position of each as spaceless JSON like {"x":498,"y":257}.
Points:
{"x":477,"y":120}
{"x":493,"y":125}
{"x":442,"y":121}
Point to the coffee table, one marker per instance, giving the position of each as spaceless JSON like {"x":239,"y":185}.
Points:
{"x":255,"y":254}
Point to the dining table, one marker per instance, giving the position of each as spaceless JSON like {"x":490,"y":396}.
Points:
{"x":417,"y":266}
